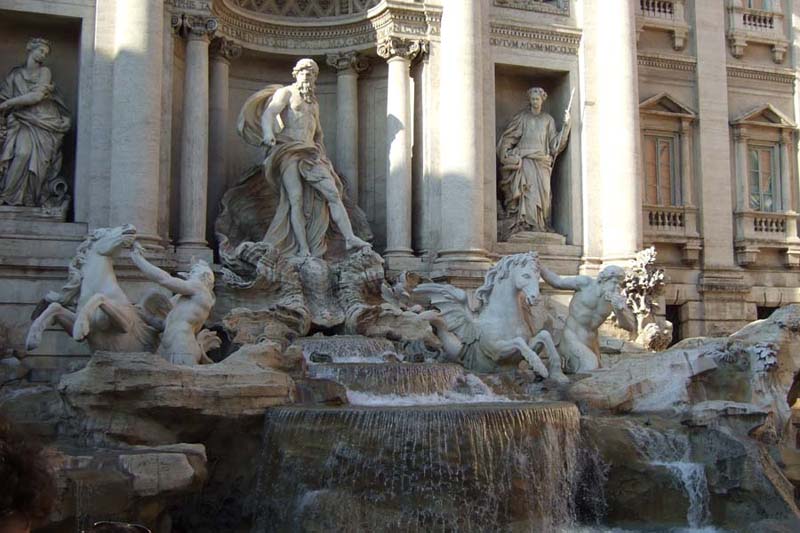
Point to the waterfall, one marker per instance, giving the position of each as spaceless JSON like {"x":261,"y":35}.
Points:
{"x":671,"y":450}
{"x":477,"y":467}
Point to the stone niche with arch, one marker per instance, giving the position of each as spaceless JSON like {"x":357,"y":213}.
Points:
{"x":510,"y":97}
{"x":64,"y":34}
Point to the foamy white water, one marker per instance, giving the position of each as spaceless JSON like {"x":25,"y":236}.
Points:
{"x":476,"y":392}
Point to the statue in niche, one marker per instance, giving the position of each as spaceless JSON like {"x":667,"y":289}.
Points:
{"x":184,"y":341}
{"x":527,"y":150}
{"x":288,"y":229}
{"x":33,"y":122}
{"x":286,"y":121}
{"x":594,"y":300}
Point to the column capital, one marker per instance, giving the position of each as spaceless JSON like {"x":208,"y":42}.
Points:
{"x":222,"y":49}
{"x":194,"y":27}
{"x":740,"y":133}
{"x":348,"y":61}
{"x":786,"y":136}
{"x":398,"y":47}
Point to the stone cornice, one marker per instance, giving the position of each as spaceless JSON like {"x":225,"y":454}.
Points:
{"x":535,"y":5}
{"x":686,"y":64}
{"x":197,"y":6}
{"x":786,"y":76}
{"x":327,"y":35}
{"x":557,"y":41}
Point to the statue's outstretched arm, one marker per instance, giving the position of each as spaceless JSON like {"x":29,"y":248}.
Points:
{"x":570,"y":283}
{"x":155,"y":274}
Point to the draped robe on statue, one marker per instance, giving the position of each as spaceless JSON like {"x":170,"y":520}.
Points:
{"x":31,"y":153}
{"x":526,"y":190}
{"x":313,"y":165}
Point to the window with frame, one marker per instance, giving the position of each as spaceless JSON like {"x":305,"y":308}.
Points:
{"x":764,"y":170}
{"x":763,"y":5}
{"x":661,"y":160}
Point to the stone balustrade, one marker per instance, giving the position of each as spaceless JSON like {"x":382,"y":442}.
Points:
{"x":663,"y":15}
{"x":675,"y":224}
{"x":756,"y":230}
{"x":747,"y":25}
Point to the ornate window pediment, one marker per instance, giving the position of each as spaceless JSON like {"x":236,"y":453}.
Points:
{"x":664,"y":104}
{"x":765,"y":115}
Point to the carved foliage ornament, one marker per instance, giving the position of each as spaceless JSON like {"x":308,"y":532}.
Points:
{"x":392,"y":47}
{"x":194,"y":26}
{"x":221,"y":47}
{"x":352,"y":60}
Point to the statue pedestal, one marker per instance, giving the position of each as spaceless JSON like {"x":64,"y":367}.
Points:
{"x":552,"y":248}
{"x":33,"y":214}
{"x":537,"y":237}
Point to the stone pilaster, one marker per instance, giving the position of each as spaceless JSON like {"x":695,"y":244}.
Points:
{"x":461,"y":155}
{"x":722,"y":286}
{"x":399,"y":115}
{"x":136,"y":117}
{"x":222,"y":51}
{"x":197,"y":30}
{"x":347,"y":65}
{"x":612,"y":130}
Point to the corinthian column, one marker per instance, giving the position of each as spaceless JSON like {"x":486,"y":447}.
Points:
{"x":136,"y":121}
{"x":398,"y":53}
{"x":197,"y":31}
{"x":347,"y":65}
{"x":221,"y":51}
{"x":461,"y":156}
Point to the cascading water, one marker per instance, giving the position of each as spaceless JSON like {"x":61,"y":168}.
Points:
{"x":400,"y":379}
{"x":480,"y":467}
{"x":670,"y":449}
{"x":422,"y":447}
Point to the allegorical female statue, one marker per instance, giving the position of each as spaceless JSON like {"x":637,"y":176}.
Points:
{"x":33,"y":121}
{"x":527,"y":150}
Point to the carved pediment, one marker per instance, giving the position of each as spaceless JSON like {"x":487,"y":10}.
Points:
{"x":664,"y":104}
{"x":764,"y":115}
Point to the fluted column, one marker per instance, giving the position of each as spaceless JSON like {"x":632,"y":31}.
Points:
{"x":687,"y":195}
{"x":221,"y":52}
{"x":197,"y":31}
{"x":136,"y":117}
{"x":347,"y":65}
{"x":461,"y":156}
{"x":399,"y":53}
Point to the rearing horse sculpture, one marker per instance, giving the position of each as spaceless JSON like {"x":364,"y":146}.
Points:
{"x":497,"y":331}
{"x":93,"y":307}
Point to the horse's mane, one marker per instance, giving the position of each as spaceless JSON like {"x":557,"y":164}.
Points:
{"x":70,"y":291}
{"x":501,"y":270}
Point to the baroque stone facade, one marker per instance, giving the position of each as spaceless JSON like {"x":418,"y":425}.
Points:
{"x":690,"y":147}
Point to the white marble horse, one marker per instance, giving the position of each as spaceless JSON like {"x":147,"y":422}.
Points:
{"x":496,"y":330}
{"x":93,"y":307}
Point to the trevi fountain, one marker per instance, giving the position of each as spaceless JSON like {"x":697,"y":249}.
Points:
{"x":417,"y":269}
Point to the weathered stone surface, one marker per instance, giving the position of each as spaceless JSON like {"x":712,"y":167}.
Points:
{"x":136,"y":483}
{"x":141,"y":398}
{"x":643,"y":383}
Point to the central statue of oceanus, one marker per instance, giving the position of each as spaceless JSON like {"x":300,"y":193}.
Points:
{"x":497,"y":329}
